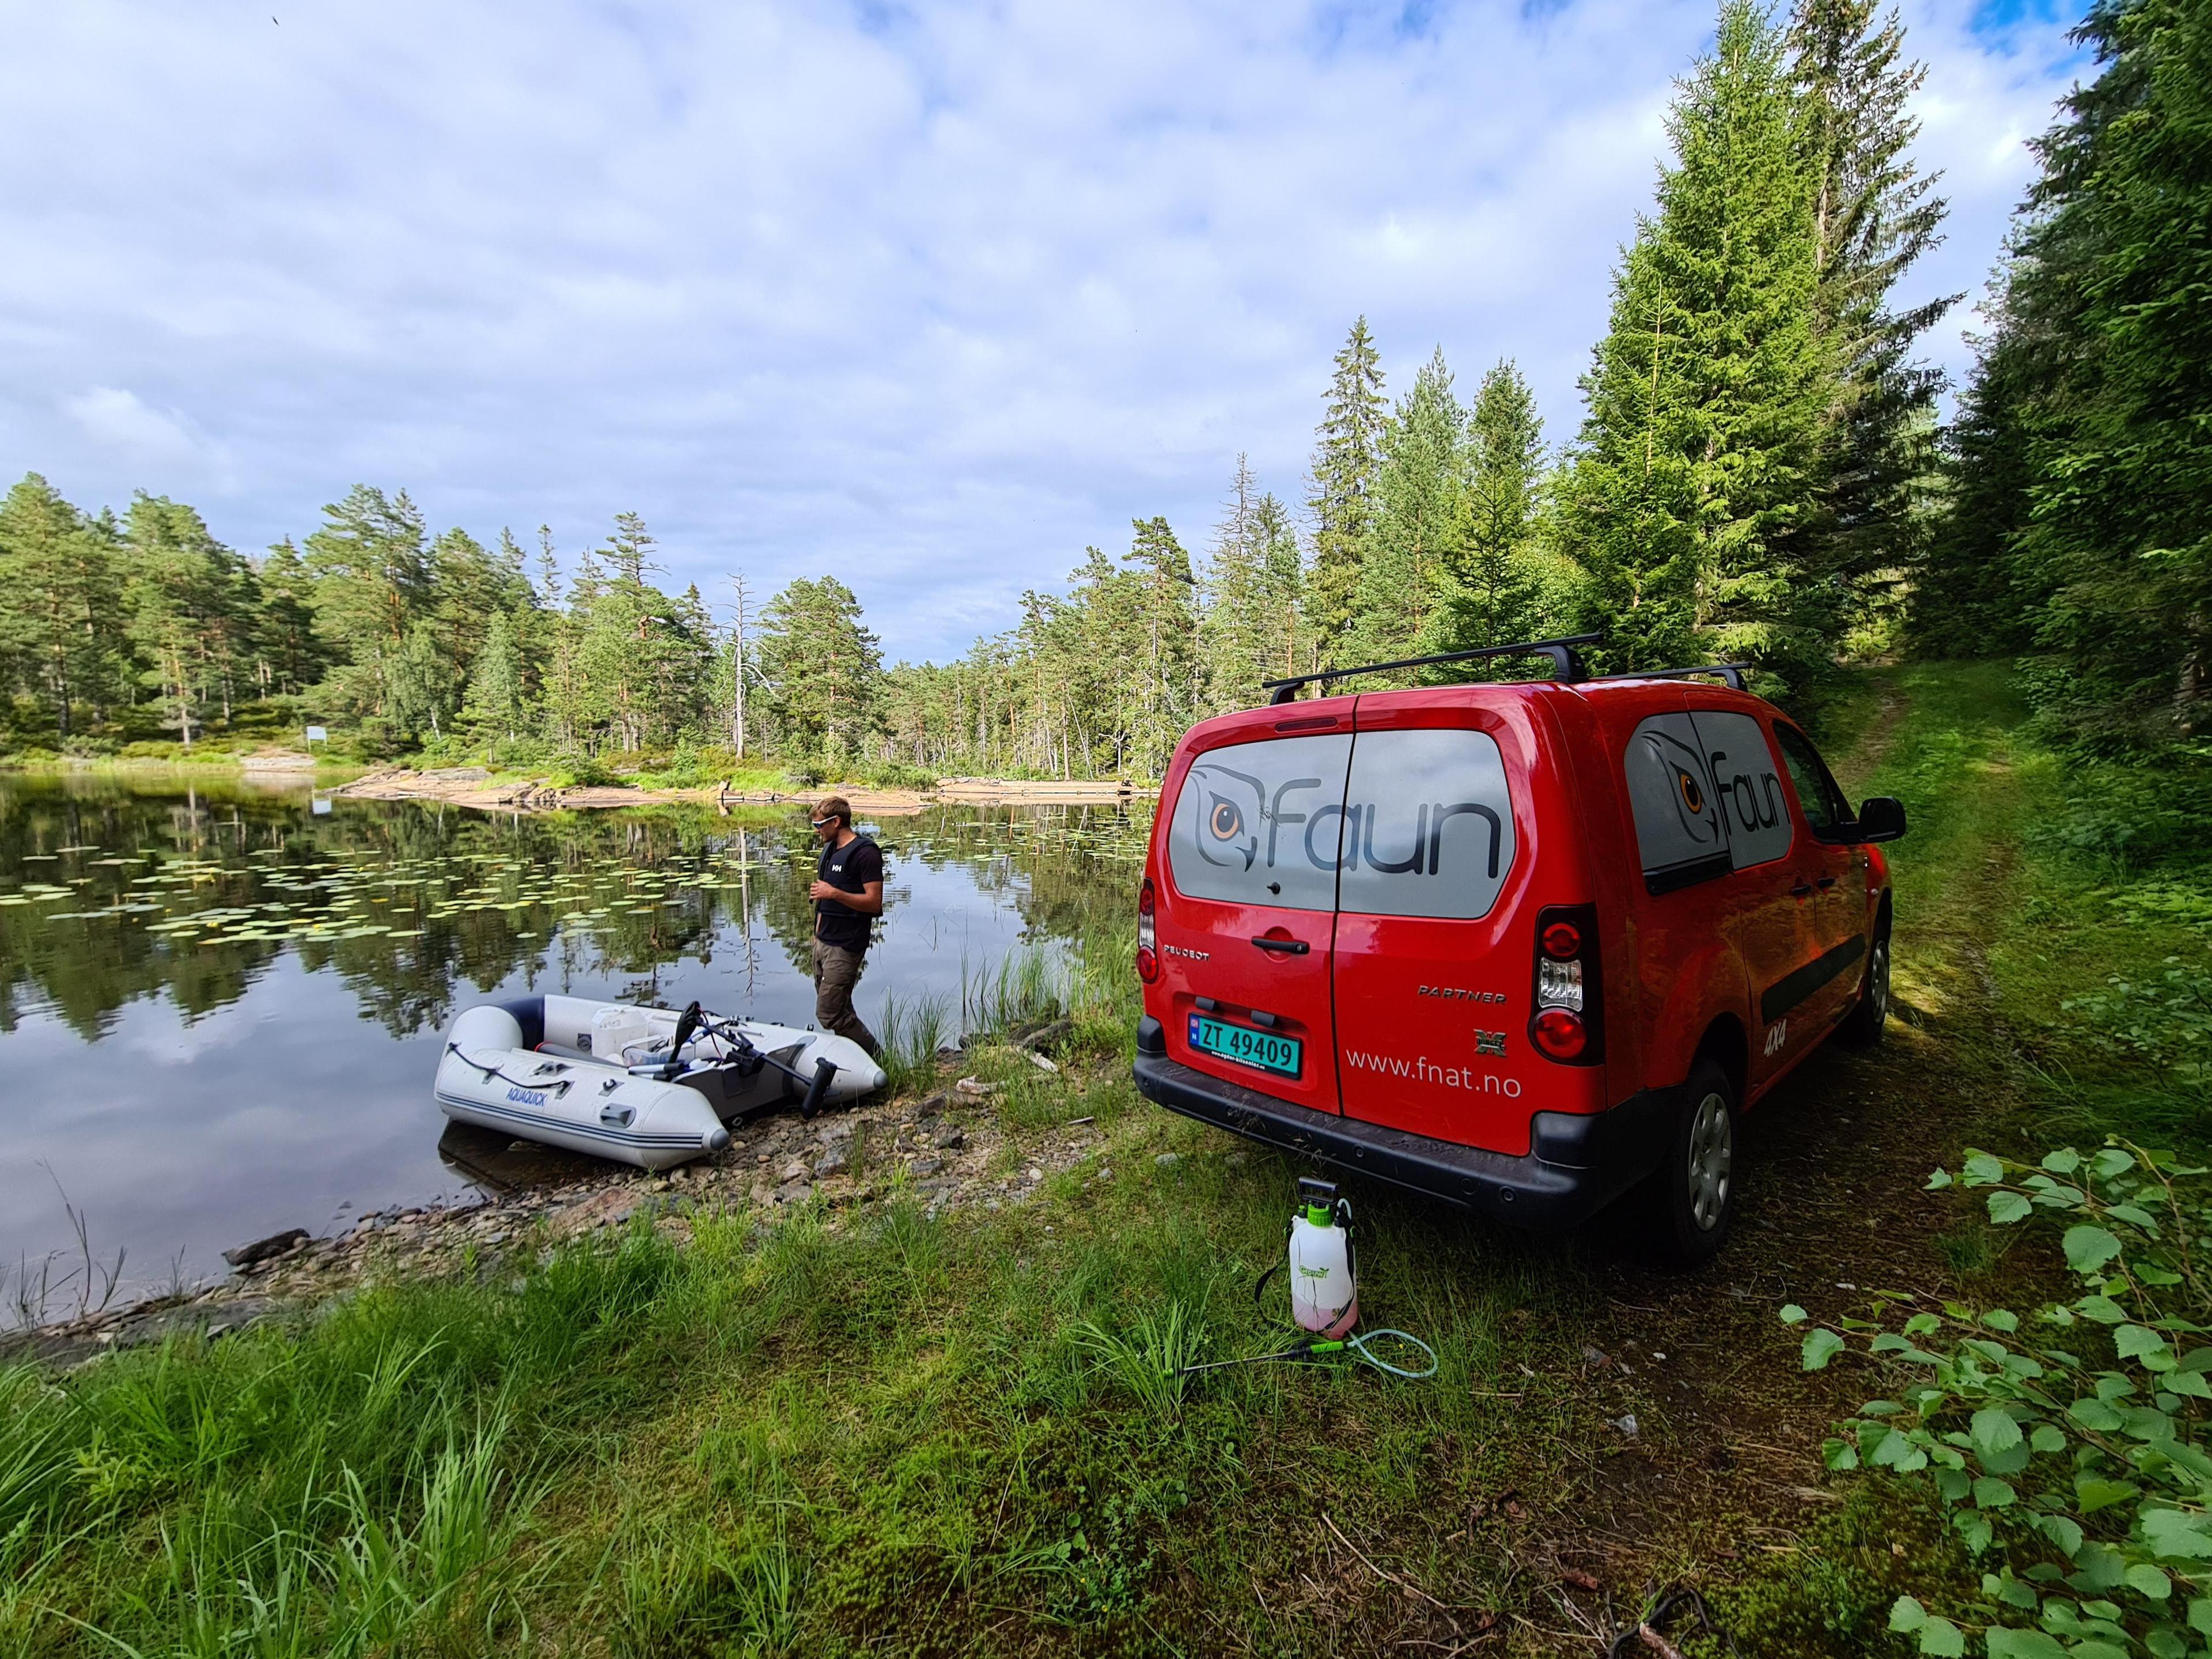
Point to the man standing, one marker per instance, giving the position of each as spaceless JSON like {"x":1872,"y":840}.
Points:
{"x":847,"y":894}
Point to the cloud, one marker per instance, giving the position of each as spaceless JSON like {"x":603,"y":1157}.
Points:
{"x":929,"y":298}
{"x":111,"y":416}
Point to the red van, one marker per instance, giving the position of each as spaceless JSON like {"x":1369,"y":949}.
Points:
{"x":1524,"y":946}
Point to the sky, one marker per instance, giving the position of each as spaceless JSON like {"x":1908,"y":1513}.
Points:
{"x":925,"y":297}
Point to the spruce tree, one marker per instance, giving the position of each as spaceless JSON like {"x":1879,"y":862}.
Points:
{"x":1167,"y":694}
{"x":1233,"y":627}
{"x":2121,"y":535}
{"x":1697,"y":483}
{"x":495,"y":706}
{"x":1495,"y":593}
{"x":1285,"y":634}
{"x":1347,"y":457}
{"x":1873,"y":216}
{"x":1415,"y":542}
{"x":822,"y":672}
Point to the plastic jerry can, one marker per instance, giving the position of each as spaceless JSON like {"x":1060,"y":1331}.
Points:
{"x":1324,"y":1294}
{"x":618,"y":1029}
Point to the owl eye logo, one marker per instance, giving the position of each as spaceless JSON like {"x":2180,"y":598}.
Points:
{"x":1692,"y":796}
{"x":1226,"y":821}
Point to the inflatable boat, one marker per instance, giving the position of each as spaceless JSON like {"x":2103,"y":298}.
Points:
{"x":650,"y":1086}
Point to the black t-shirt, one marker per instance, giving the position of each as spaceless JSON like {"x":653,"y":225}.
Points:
{"x":849,"y":869}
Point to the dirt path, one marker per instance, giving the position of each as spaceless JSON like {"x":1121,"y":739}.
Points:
{"x":1727,"y":1468}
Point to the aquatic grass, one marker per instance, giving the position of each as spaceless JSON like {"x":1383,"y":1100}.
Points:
{"x":913,"y":1029}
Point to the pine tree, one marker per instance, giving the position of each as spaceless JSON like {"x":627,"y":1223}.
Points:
{"x":1421,"y":498}
{"x":1347,"y":460}
{"x":1697,"y":482}
{"x":823,"y":670}
{"x":1167,"y":696}
{"x":56,"y":573}
{"x":373,"y":582}
{"x":184,"y":601}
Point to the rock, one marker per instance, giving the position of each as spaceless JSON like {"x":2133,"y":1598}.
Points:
{"x":1626,"y":1425}
{"x":609,"y":1208}
{"x":1042,"y":1064}
{"x":1033,"y":1173}
{"x":266,"y":1249}
{"x":925,"y":1166}
{"x":830,"y":1163}
{"x":949,"y":1139}
{"x":936,"y":1103}
{"x":975,"y":1088}
{"x":1168,"y":1160}
{"x":795,"y":1192}
{"x":795,"y":1170}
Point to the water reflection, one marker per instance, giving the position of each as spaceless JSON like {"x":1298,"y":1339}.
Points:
{"x":219,"y":1011}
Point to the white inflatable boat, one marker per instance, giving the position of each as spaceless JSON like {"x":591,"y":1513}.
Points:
{"x":649,"y":1087}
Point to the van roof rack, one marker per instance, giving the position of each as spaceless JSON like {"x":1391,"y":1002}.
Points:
{"x":1731,"y":672}
{"x":1567,"y":665}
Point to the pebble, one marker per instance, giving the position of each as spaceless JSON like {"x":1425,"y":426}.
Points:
{"x":1033,"y":1173}
{"x":1168,"y":1160}
{"x":927,"y":1166}
{"x":830,"y":1163}
{"x":1626,"y":1425}
{"x":948,"y":1139}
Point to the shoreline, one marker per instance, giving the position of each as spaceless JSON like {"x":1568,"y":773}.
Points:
{"x":945,"y":1145}
{"x":476,"y":787}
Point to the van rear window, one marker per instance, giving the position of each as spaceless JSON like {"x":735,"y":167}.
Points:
{"x":1428,"y":825}
{"x":1398,"y":823}
{"x":1705,"y":796}
{"x":1260,"y":822}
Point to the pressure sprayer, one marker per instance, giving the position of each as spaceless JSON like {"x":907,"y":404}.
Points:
{"x":1323,"y":1271}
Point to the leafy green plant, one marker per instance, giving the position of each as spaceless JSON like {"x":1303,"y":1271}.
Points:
{"x":2069,"y":1447}
{"x":2165,"y":1022}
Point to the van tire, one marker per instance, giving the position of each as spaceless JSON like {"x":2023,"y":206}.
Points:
{"x":1689,"y":1200}
{"x":1863,"y":1026}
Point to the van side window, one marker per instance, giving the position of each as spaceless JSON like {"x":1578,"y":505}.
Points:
{"x":1263,"y":823}
{"x":1428,"y":824}
{"x":1816,"y":791}
{"x":1747,"y":785}
{"x":1679,"y":833}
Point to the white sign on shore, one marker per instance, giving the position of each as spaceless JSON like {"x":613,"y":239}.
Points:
{"x":317,"y":734}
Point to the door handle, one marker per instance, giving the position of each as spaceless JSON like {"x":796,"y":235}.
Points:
{"x":1825,"y":883}
{"x":1288,"y":947}
{"x":1803,"y":889}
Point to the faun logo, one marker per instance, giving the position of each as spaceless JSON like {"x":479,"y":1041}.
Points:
{"x":1234,"y":806}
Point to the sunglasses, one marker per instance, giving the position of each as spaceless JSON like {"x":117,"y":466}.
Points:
{"x":821,"y":823}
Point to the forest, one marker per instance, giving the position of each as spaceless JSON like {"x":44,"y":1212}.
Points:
{"x":1760,"y":475}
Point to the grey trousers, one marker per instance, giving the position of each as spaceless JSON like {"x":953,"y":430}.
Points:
{"x":836,"y":971}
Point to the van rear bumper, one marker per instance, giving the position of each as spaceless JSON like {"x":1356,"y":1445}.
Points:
{"x":1578,"y":1162}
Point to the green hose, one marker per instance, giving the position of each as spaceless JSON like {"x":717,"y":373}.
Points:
{"x":1356,"y":1346}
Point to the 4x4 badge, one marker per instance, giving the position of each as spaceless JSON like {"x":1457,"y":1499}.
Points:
{"x":1490,"y":1043}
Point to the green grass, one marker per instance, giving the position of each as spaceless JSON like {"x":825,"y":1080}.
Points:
{"x":877,"y":1432}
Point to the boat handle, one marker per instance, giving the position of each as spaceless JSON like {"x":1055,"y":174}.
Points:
{"x":1288,"y":947}
{"x":617,"y":1115}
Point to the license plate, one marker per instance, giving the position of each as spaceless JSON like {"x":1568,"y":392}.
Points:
{"x":1262,"y":1050}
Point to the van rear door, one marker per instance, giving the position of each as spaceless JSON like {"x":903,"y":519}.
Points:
{"x":1247,"y":916}
{"x":1433,"y":960}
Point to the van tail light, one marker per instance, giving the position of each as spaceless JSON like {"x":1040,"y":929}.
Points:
{"x":1568,"y":1024}
{"x":1148,"y":936}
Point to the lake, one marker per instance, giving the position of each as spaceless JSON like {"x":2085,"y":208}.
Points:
{"x":222,"y":1002}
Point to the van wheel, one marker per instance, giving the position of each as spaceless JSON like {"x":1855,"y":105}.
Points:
{"x":1862,"y":1027}
{"x":1691,"y":1198}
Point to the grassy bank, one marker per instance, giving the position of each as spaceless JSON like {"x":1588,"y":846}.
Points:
{"x":872,"y":1431}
